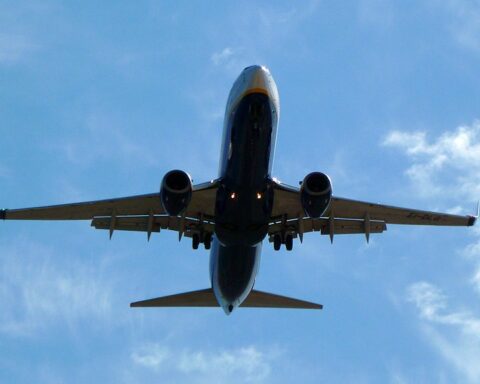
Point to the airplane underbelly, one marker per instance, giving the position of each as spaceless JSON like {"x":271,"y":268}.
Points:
{"x":243,"y":215}
{"x":244,"y":200}
{"x":233,"y":272}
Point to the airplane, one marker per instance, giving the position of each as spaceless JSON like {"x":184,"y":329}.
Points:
{"x":233,"y":214}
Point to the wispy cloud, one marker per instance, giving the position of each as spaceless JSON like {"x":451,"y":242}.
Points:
{"x":260,"y":30}
{"x":37,"y":293}
{"x":232,"y":60}
{"x":4,"y":171}
{"x":454,"y":333}
{"x":153,"y":356}
{"x":246,"y":365}
{"x":222,"y":56}
{"x":397,"y":377}
{"x":465,"y":21}
{"x":376,"y":12}
{"x":448,"y":164}
{"x":444,"y":166}
{"x":18,"y":40}
{"x":14,"y":48}
{"x":472,"y":252}
{"x":103,"y":139}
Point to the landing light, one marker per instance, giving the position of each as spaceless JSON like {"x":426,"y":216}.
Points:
{"x":259,"y":195}
{"x":233,"y":195}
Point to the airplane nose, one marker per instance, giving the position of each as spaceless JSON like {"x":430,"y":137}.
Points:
{"x":256,"y":77}
{"x":253,"y":67}
{"x":256,"y":70}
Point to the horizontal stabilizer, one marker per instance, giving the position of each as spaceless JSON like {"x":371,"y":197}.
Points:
{"x":259,"y":299}
{"x":202,"y":298}
{"x":206,"y":298}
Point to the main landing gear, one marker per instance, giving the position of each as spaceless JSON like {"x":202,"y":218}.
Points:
{"x":205,"y":238}
{"x":278,"y":240}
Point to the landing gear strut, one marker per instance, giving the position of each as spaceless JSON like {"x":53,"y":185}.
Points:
{"x":198,"y":238}
{"x":286,"y":239}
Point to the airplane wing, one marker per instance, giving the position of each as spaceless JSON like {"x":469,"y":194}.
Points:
{"x":138,"y":213}
{"x":346,"y":216}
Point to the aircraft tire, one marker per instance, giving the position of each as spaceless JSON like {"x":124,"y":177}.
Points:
{"x":277,"y":242}
{"x":289,"y":242}
{"x":207,"y":241}
{"x":195,"y":240}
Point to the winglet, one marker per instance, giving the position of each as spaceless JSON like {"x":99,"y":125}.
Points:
{"x":3,"y":214}
{"x":473,"y":219}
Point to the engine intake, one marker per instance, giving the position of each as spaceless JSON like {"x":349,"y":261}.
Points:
{"x":316,"y":193}
{"x":176,"y":192}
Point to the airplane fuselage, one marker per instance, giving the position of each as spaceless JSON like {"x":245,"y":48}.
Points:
{"x":245,"y":198}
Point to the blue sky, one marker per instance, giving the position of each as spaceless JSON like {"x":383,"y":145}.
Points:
{"x":100,"y":99}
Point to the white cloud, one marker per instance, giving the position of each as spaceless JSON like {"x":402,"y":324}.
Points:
{"x":233,"y":60}
{"x":152,"y":356}
{"x":454,"y":333}
{"x":246,"y":365}
{"x":448,"y":165}
{"x":222,"y":56}
{"x":37,"y":293}
{"x":432,"y":305}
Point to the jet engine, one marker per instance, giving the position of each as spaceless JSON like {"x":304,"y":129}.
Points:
{"x":316,"y":193}
{"x":176,"y":192}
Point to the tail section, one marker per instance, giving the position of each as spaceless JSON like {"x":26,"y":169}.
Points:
{"x":206,"y":298}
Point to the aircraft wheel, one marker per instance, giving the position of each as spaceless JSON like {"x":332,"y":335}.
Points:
{"x":289,"y":242}
{"x":277,"y":242}
{"x":195,"y":240}
{"x":207,"y":241}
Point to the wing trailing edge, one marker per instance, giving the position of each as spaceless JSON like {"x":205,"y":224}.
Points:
{"x":206,"y":298}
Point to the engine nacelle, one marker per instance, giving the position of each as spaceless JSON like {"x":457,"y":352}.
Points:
{"x":316,"y":193}
{"x":176,"y":192}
